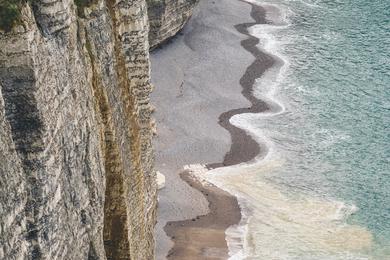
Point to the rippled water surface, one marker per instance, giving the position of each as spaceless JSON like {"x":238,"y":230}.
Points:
{"x":338,"y":88}
{"x":323,"y":190}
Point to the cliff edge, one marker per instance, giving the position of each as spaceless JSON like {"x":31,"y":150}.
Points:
{"x":76,"y":161}
{"x":167,"y":17}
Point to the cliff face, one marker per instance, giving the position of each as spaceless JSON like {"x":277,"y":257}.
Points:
{"x":76,"y":162}
{"x":167,"y":17}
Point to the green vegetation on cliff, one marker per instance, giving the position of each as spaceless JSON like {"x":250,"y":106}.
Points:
{"x":9,"y":13}
{"x":81,"y":4}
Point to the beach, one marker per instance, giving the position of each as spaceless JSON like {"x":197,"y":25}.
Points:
{"x":205,"y":76}
{"x":249,"y":153}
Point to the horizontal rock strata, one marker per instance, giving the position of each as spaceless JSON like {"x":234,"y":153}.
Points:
{"x":167,"y":17}
{"x":76,"y":161}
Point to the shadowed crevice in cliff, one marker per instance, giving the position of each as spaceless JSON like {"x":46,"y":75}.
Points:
{"x":115,"y":219}
{"x":124,"y":239}
{"x":27,"y":127}
{"x":195,"y":236}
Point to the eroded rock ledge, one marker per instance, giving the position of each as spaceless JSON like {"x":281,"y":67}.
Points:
{"x":76,"y":162}
{"x":167,"y":17}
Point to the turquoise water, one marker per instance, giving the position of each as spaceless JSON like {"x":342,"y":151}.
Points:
{"x":334,"y":134}
{"x":321,"y":188}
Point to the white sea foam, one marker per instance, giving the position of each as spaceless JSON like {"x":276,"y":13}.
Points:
{"x":276,"y":223}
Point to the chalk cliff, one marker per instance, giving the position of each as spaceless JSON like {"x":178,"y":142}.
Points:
{"x":76,"y":162}
{"x":167,"y":17}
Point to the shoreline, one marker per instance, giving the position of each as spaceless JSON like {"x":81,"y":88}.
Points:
{"x":204,"y":236}
{"x":242,"y":208}
{"x":244,"y":148}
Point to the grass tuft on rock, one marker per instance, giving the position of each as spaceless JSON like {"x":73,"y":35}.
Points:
{"x":81,"y":4}
{"x":9,"y":13}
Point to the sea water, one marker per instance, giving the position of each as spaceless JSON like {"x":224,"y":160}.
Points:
{"x":321,"y":189}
